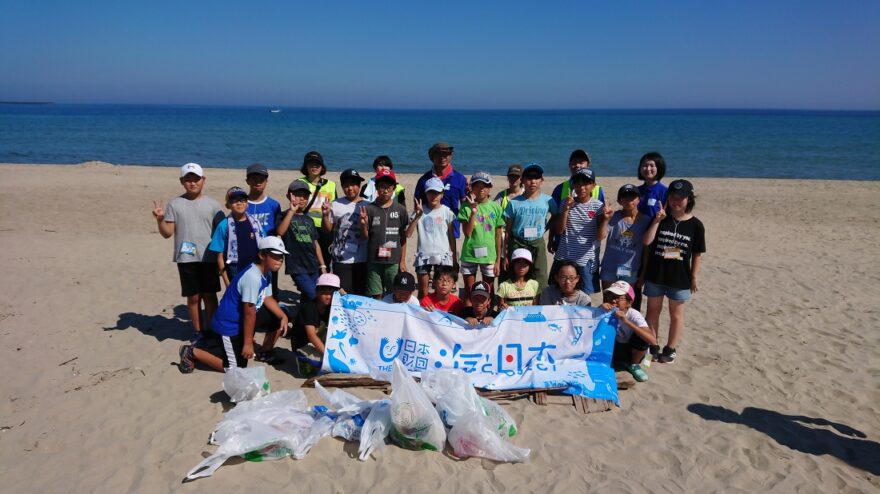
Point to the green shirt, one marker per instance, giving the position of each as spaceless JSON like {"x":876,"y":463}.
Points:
{"x":488,"y":220}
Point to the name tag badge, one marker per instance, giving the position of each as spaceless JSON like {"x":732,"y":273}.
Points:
{"x":672,"y":253}
{"x":530,"y":232}
{"x":481,"y":252}
{"x":188,"y":248}
{"x":384,"y":253}
{"x":391,"y":244}
{"x":652,"y":201}
{"x":624,"y":272}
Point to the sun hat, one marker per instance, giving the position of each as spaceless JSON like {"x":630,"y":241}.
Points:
{"x":272,"y":244}
{"x":191,"y":168}
{"x":522,"y":254}
{"x":328,"y":280}
{"x":440,"y":147}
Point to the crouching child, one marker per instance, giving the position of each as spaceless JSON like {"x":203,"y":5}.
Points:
{"x":633,"y":334}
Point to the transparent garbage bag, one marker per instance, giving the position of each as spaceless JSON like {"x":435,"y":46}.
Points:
{"x":242,"y":384}
{"x":414,"y":421}
{"x":476,"y":434}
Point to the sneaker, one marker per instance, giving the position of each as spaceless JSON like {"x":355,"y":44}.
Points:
{"x":668,"y":355}
{"x":269,"y":358}
{"x":654,"y":351}
{"x":637,"y":373}
{"x":187,"y":360}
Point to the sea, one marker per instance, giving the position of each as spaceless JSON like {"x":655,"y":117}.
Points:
{"x":834,"y":145}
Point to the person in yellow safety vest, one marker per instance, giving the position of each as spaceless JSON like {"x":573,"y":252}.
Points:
{"x":321,"y":191}
{"x":514,"y":188}
{"x":579,"y":159}
{"x":368,"y":191}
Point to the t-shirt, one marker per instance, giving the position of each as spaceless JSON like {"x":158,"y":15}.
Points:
{"x":489,"y":217}
{"x":469,"y":312}
{"x":348,"y":247}
{"x":562,"y":192}
{"x":552,"y":296}
{"x":578,"y":242}
{"x":514,"y":296}
{"x":245,"y":241}
{"x":529,"y":216}
{"x":455,"y":189}
{"x":672,"y":251}
{"x":433,"y":228}
{"x":249,"y":286}
{"x":651,"y":197}
{"x":453,"y":305}
{"x":309,"y":315}
{"x":368,"y":192}
{"x":194,"y":222}
{"x":266,"y":212}
{"x":624,"y":332}
{"x":389,"y":299}
{"x":299,"y":240}
{"x":623,"y":248}
{"x":387,"y":229}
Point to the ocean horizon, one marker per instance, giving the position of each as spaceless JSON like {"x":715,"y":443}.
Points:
{"x":753,"y":143}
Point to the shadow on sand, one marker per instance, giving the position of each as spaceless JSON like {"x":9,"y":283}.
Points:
{"x":814,"y":436}
{"x":175,"y":326}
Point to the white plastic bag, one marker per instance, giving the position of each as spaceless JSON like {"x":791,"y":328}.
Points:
{"x":243,"y":384}
{"x":414,"y":421}
{"x":477,"y":435}
{"x":499,"y":418}
{"x":453,"y":392}
{"x":376,"y":428}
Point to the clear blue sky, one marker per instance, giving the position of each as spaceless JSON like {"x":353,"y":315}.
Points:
{"x":474,"y":54}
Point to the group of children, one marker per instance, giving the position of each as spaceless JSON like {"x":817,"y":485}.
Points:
{"x":357,"y":243}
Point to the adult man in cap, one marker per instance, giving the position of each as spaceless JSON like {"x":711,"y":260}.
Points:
{"x":455,"y":183}
{"x":579,"y":159}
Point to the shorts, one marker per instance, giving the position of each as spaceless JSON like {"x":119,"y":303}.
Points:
{"x":657,"y":290}
{"x":426,"y":264}
{"x":228,"y":348}
{"x":470,"y":268}
{"x":623,"y":350}
{"x":198,"y":277}
{"x":352,"y":276}
{"x":380,"y":278}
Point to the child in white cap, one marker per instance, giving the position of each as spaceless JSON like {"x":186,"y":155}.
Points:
{"x":633,"y":334}
{"x":436,"y":246}
{"x":522,"y":288}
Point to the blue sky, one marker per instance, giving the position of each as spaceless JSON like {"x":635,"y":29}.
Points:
{"x":522,"y":55}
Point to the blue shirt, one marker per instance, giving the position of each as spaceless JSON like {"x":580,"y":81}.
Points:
{"x":528,"y":214}
{"x":265,"y":212}
{"x":249,"y":286}
{"x":651,"y":197}
{"x":456,"y":187}
{"x":245,"y":239}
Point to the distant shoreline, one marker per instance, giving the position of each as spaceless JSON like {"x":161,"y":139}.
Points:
{"x":26,"y":103}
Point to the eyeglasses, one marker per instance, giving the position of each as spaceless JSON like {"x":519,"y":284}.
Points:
{"x":567,"y":279}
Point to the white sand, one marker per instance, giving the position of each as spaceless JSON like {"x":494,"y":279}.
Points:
{"x":786,"y":323}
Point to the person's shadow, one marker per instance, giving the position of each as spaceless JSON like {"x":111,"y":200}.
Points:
{"x":805,"y":434}
{"x":175,"y":326}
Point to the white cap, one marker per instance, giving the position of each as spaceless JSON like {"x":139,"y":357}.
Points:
{"x":328,"y":280}
{"x":272,"y":244}
{"x":522,"y":254}
{"x":621,"y":287}
{"x":191,"y":168}
{"x":434,"y":184}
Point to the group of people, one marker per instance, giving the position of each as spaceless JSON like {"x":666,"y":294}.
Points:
{"x":357,"y":243}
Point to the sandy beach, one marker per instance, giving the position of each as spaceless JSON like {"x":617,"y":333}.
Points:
{"x":775,"y":386}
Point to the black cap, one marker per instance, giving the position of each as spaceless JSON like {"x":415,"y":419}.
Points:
{"x":312,"y":157}
{"x":628,"y":190}
{"x":404,"y":281}
{"x":681,"y":187}
{"x":257,"y":169}
{"x":351,"y":175}
{"x":515,"y":170}
{"x":481,"y":288}
{"x":579,"y":155}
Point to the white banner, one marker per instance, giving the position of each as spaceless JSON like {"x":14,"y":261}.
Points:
{"x":525,"y":347}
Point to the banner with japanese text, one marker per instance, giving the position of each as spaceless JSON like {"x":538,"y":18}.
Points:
{"x":525,"y":347}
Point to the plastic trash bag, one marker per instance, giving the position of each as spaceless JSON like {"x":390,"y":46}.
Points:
{"x":243,"y":384}
{"x":499,"y":418}
{"x":414,"y":421}
{"x":376,"y":428}
{"x":476,"y":434}
{"x":348,"y":411}
{"x":455,"y":397}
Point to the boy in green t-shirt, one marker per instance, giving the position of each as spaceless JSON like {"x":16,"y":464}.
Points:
{"x":482,"y":224}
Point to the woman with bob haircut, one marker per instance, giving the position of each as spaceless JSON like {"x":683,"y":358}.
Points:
{"x":652,"y":193}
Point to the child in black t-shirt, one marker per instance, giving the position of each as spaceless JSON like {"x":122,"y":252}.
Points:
{"x":305,"y":262}
{"x":480,"y":313}
{"x":310,"y":324}
{"x":675,"y":241}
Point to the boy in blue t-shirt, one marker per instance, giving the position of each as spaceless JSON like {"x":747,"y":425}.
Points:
{"x":235,"y":239}
{"x":247,"y":307}
{"x":262,"y":207}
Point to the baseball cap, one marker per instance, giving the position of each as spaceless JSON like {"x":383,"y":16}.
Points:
{"x":622,"y":288}
{"x":522,"y":254}
{"x":533,"y":168}
{"x":440,"y":147}
{"x":481,"y":177}
{"x":515,"y":170}
{"x":258,"y":169}
{"x":628,"y":190}
{"x":329,"y":280}
{"x":191,"y":168}
{"x":579,"y":155}
{"x":297,"y":185}
{"x":681,"y":187}
{"x":351,"y":174}
{"x":434,"y":184}
{"x":480,"y":288}
{"x":404,"y":281}
{"x":313,"y":157}
{"x":273,"y":244}
{"x":387,"y":175}
{"x":235,"y":192}
{"x":584,"y":172}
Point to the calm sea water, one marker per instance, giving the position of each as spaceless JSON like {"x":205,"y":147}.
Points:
{"x":703,"y":143}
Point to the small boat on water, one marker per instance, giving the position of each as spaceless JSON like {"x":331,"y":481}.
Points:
{"x":275,"y":110}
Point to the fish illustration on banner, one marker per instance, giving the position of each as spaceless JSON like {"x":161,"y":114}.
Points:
{"x":524,"y":347}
